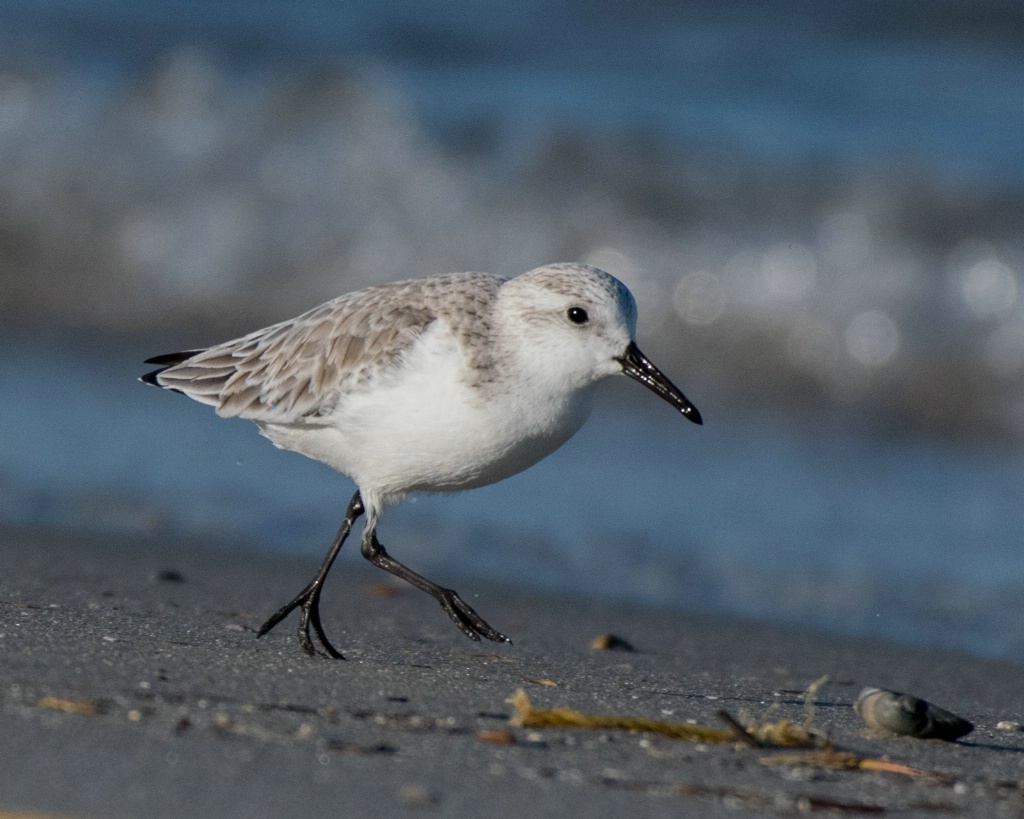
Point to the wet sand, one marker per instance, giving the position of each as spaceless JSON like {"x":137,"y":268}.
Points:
{"x":132,"y":684}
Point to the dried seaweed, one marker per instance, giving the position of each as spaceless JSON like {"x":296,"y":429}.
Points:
{"x":781,"y":734}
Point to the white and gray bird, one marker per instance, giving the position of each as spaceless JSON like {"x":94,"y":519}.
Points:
{"x":436,"y":384}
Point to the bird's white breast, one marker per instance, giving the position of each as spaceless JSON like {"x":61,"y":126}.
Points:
{"x":426,"y":426}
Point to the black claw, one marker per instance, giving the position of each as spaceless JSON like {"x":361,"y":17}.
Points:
{"x":469,"y":622}
{"x":319,"y":629}
{"x":283,"y":612}
{"x":308,"y":603}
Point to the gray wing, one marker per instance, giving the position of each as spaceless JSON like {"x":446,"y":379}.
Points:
{"x":296,"y":369}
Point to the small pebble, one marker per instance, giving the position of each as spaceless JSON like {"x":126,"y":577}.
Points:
{"x":611,"y":642}
{"x":1009,"y":725}
{"x":416,"y":795}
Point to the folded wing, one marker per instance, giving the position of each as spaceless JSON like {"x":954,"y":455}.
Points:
{"x":296,"y":369}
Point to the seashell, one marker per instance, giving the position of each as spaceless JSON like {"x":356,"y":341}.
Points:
{"x":906,"y":715}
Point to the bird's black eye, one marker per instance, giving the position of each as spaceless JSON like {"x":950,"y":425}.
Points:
{"x":577,"y":315}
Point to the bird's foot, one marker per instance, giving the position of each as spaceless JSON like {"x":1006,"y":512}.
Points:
{"x":308,"y":603}
{"x":469,"y":622}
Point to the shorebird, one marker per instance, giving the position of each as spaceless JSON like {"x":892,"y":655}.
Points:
{"x":437,"y":384}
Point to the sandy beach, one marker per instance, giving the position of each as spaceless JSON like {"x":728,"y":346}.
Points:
{"x":132,"y":684}
{"x":821,"y":221}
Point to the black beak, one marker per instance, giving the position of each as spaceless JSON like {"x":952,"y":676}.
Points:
{"x":637,"y":366}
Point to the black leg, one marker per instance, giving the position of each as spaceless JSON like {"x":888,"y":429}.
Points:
{"x":469,"y":622}
{"x":308,"y":600}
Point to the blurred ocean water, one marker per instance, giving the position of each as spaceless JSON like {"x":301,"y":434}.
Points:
{"x":821,"y":215}
{"x":791,"y":519}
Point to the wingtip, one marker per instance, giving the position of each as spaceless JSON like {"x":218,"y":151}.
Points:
{"x":164,"y":362}
{"x":150,"y":378}
{"x":170,"y":359}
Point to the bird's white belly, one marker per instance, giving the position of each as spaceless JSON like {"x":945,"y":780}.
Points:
{"x":427,"y":429}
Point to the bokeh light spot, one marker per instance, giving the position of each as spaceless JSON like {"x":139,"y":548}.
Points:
{"x":699,"y":298}
{"x":872,"y":338}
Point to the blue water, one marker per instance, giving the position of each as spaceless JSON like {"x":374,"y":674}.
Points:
{"x":811,"y":521}
{"x":840,"y":195}
{"x":866,"y":80}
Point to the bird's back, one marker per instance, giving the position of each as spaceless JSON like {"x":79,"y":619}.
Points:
{"x":295,"y":370}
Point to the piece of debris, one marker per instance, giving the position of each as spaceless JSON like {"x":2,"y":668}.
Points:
{"x":782,"y":733}
{"x":809,"y":695}
{"x":541,"y":681}
{"x":497,"y":737}
{"x":382,"y":590}
{"x":342,"y":747}
{"x":87,"y":707}
{"x":815,"y":750}
{"x":905,"y":715}
{"x":846,"y":760}
{"x":743,"y":736}
{"x":611,"y":642}
{"x":1009,"y":725}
